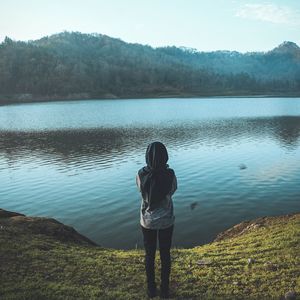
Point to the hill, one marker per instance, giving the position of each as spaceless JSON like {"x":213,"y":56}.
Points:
{"x":72,"y":65}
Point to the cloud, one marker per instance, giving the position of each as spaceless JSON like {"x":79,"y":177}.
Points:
{"x":269,"y":13}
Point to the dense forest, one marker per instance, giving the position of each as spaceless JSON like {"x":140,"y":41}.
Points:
{"x":72,"y":65}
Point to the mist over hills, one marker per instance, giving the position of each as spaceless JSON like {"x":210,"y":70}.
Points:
{"x":279,"y":63}
{"x":74,"y":65}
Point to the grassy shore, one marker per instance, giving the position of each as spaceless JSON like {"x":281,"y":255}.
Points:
{"x":43,"y":259}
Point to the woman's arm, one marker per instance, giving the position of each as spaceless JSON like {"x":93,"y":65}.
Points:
{"x":138,"y":182}
{"x":174,"y":185}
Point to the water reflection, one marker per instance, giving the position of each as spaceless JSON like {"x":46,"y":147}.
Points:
{"x":287,"y":132}
{"x":106,"y":145}
{"x":228,"y":169}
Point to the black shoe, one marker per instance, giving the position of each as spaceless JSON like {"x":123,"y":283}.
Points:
{"x":151,"y":292}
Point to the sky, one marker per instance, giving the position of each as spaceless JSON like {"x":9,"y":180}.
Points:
{"x":241,"y":25}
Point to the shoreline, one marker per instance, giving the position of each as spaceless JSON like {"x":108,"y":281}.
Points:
{"x":29,"y":98}
{"x":50,"y":226}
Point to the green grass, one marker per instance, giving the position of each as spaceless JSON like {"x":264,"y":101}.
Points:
{"x":40,"y":266}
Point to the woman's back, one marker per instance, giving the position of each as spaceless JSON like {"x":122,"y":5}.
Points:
{"x":162,"y":216}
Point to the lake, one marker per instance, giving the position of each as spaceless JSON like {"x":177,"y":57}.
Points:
{"x":76,"y":161}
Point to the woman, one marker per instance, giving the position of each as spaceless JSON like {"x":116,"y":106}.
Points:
{"x":157,"y":183}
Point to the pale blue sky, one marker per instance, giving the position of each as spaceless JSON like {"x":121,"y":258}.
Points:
{"x":205,"y":25}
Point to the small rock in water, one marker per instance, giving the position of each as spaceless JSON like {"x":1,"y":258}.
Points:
{"x":290,"y":295}
{"x":193,"y":205}
{"x":242,"y":166}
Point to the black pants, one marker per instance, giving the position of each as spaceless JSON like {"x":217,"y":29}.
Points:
{"x":165,"y":241}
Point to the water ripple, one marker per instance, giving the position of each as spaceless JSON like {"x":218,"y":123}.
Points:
{"x":85,"y":176}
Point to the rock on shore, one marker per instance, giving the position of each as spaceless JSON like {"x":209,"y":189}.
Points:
{"x":46,"y":226}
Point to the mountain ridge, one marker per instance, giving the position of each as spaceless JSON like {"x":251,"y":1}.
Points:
{"x":284,"y":44}
{"x":287,"y":47}
{"x":70,"y":64}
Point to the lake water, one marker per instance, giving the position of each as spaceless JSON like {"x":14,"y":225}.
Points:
{"x":235,"y":159}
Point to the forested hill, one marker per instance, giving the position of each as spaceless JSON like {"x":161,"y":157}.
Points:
{"x":75,"y":65}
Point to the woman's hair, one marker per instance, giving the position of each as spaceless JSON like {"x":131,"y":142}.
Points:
{"x":156,"y":178}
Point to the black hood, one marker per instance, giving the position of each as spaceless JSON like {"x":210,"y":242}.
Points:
{"x":156,"y":178}
{"x":156,"y":156}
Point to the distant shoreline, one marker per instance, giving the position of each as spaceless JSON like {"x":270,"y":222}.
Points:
{"x":29,"y":98}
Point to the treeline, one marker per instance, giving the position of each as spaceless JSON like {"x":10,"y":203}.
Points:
{"x":94,"y":65}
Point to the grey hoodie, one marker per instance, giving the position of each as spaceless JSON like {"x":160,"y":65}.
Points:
{"x":162,"y":216}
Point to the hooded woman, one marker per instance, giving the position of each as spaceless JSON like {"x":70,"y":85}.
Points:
{"x":157,"y":183}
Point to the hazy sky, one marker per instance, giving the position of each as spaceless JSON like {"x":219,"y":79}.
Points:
{"x":243,"y":25}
